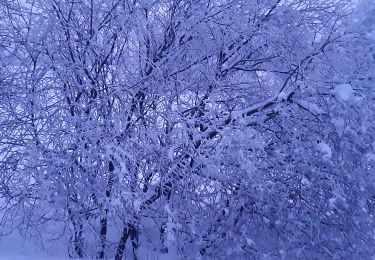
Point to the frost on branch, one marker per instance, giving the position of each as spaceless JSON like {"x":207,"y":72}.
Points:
{"x":343,"y":92}
{"x":189,"y":127}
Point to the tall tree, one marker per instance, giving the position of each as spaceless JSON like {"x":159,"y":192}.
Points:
{"x":238,"y":128}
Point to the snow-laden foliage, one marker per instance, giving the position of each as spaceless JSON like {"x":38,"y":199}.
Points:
{"x":215,"y":128}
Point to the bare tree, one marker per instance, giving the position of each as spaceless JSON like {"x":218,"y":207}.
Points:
{"x":237,"y":128}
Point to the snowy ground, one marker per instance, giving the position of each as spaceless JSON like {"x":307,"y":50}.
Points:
{"x":14,"y":247}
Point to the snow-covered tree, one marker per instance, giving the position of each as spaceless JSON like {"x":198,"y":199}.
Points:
{"x":215,"y":128}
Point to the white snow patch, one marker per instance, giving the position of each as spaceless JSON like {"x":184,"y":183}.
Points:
{"x":332,"y":202}
{"x":339,"y":124}
{"x":137,"y":205}
{"x":343,"y":92}
{"x":282,"y":96}
{"x":16,"y":247}
{"x":370,"y":156}
{"x":324,"y":149}
{"x":250,"y":242}
{"x":305,"y":181}
{"x":171,"y":153}
{"x":311,"y":107}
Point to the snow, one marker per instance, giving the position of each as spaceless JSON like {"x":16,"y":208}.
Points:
{"x":311,"y":107}
{"x":370,"y":156}
{"x":15,"y":247}
{"x":343,"y":92}
{"x":15,"y":256}
{"x":324,"y":149}
{"x":305,"y":181}
{"x":250,"y":242}
{"x":146,"y":255}
{"x":187,"y":127}
{"x":339,"y":125}
{"x":137,"y":205}
{"x":282,"y":96}
{"x":171,"y":153}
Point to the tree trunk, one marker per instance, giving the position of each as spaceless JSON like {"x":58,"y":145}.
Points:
{"x":129,"y":230}
{"x":104,"y":220}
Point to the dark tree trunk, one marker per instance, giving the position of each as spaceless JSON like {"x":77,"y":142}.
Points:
{"x":104,"y":220}
{"x":78,"y":239}
{"x":103,"y":236}
{"x":131,"y":231}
